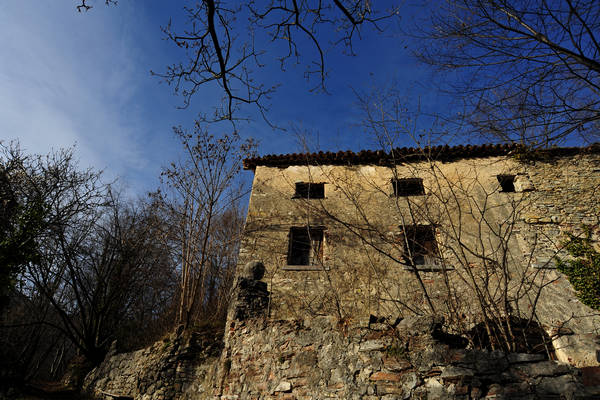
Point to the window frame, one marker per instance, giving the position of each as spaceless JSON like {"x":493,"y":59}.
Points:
{"x":416,"y":247}
{"x":314,"y":190}
{"x":412,"y":183}
{"x":311,"y":235}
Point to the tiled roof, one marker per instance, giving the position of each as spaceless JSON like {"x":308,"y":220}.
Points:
{"x":407,"y":154}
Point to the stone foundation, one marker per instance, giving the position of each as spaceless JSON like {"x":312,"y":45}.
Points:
{"x":323,"y":358}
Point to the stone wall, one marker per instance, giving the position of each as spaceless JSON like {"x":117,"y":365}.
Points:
{"x":178,"y":367}
{"x":323,"y":358}
{"x":565,"y":201}
{"x":361,"y":272}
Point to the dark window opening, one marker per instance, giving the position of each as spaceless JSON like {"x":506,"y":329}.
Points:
{"x":507,"y":183}
{"x":528,"y":336}
{"x":305,"y":246}
{"x":408,"y":187}
{"x":420,"y":245}
{"x":310,"y":190}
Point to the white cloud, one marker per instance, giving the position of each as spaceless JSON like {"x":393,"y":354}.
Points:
{"x":69,"y":78}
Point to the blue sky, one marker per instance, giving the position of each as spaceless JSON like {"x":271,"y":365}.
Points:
{"x":69,"y":78}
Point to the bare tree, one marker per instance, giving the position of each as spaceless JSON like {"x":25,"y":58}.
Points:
{"x":530,"y":69}
{"x":100,"y":271}
{"x":201,"y":196}
{"x":469,"y":221}
{"x":39,"y":195}
{"x":451,"y":249}
{"x":221,"y":50}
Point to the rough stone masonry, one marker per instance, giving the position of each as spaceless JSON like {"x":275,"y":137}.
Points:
{"x":322,"y":357}
{"x":343,"y":249}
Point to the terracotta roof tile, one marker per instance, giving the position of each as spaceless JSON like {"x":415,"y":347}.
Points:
{"x":406,"y":154}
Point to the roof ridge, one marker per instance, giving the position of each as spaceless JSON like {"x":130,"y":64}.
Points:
{"x":408,"y":154}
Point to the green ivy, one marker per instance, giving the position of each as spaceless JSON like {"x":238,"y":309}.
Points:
{"x":584,"y":271}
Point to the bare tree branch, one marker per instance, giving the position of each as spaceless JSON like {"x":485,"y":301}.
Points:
{"x":84,"y":6}
{"x":532,"y":69}
{"x":220,"y":49}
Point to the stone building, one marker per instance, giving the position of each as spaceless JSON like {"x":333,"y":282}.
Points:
{"x":461,"y":231}
{"x":364,"y":252}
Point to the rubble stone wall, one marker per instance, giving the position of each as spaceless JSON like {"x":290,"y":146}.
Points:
{"x":361,"y":273}
{"x":178,"y":367}
{"x":325,"y":357}
{"x":322,"y":358}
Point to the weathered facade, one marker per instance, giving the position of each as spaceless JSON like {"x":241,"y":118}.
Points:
{"x":373,"y":261}
{"x":456,"y":231}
